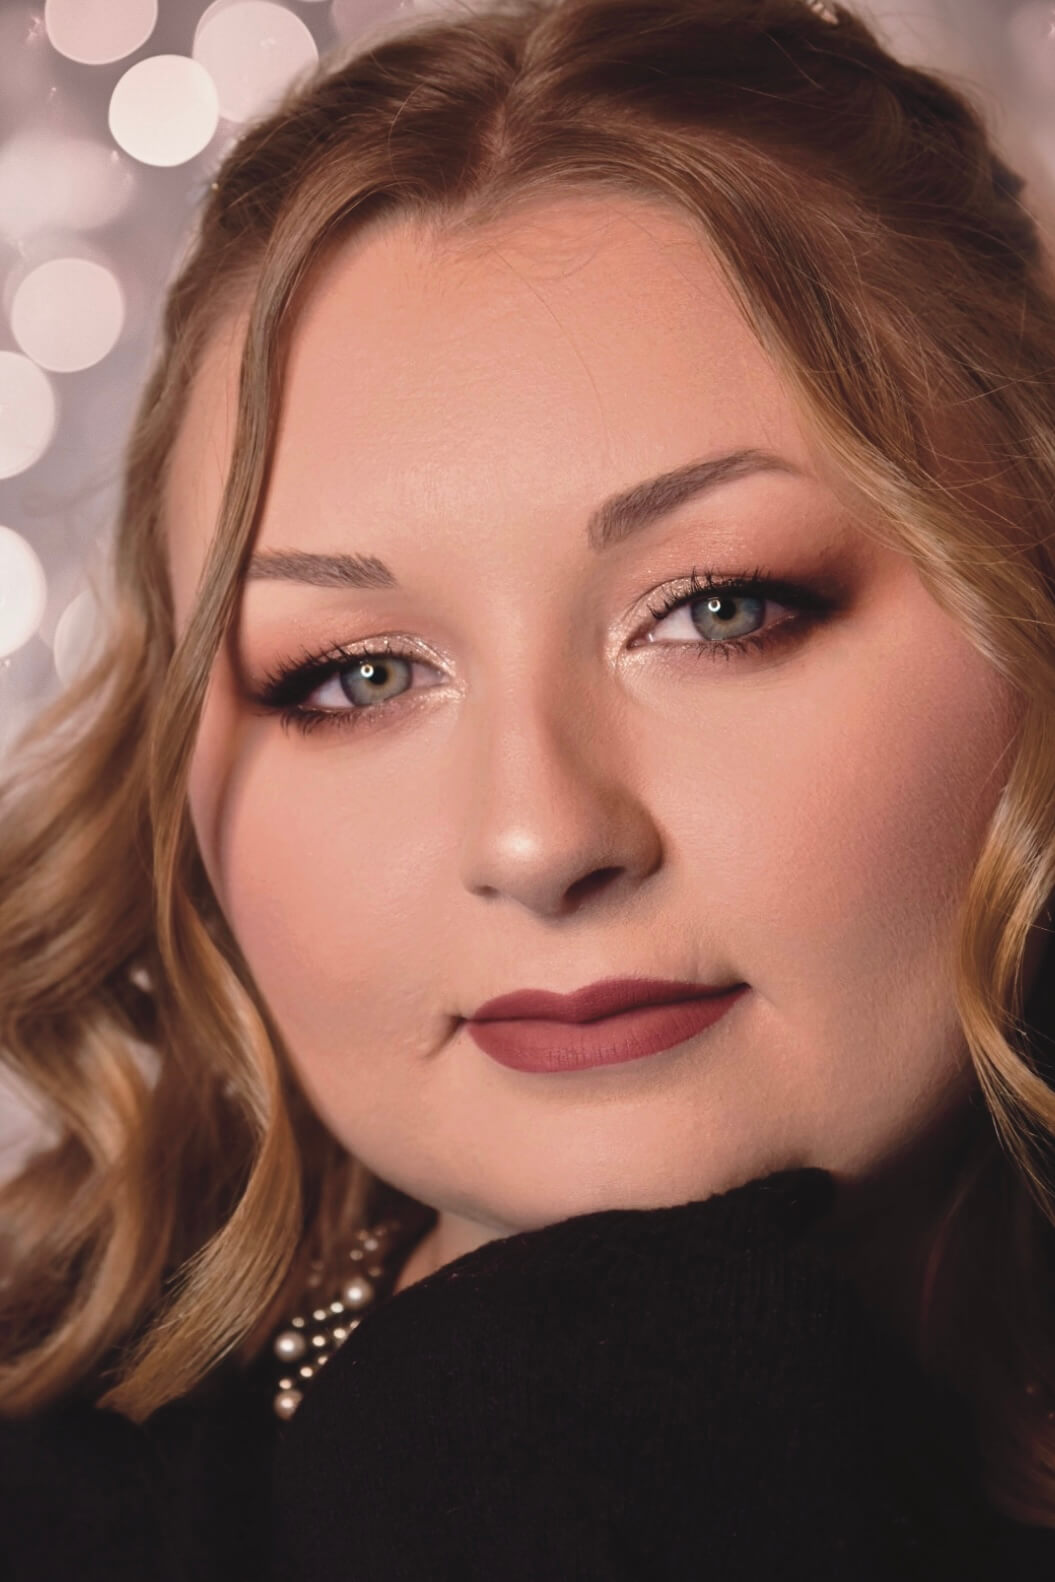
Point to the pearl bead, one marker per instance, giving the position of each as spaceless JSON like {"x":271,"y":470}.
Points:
{"x":289,"y":1345}
{"x":333,"y":1318}
{"x":357,"y":1292}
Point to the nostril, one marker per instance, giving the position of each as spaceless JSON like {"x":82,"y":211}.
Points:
{"x":592,"y":881}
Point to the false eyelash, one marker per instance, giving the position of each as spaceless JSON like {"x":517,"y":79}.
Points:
{"x":284,"y":688}
{"x":759,"y":583}
{"x":293,"y":679}
{"x":752,"y":582}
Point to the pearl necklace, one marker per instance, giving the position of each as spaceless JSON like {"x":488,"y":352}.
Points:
{"x":308,"y":1341}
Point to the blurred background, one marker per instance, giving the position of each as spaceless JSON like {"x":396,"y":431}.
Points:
{"x":113,"y":117}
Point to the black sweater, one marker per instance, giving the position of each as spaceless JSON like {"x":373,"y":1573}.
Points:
{"x":688,"y":1394}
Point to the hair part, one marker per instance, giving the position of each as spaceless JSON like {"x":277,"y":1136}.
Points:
{"x":876,"y":244}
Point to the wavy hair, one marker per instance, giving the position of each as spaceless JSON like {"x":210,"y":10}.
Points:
{"x":878,"y":246}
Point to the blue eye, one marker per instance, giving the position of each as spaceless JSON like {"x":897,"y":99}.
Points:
{"x":727,"y":613}
{"x":372,"y":679}
{"x":369,"y":682}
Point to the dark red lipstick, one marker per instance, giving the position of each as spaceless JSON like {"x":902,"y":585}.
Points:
{"x":604,"y":1023}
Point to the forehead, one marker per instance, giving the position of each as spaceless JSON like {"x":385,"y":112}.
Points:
{"x":574,"y":346}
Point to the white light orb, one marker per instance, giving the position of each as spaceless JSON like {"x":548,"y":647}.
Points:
{"x":67,"y":314}
{"x":70,"y":183}
{"x":77,"y":633}
{"x":164,"y":110}
{"x":96,"y":32}
{"x":23,"y":591}
{"x":252,"y":50}
{"x":28,"y":413}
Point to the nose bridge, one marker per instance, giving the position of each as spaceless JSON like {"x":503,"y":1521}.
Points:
{"x":550,"y":796}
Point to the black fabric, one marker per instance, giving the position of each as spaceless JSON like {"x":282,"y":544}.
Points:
{"x":626,"y":1396}
{"x":87,"y":1496}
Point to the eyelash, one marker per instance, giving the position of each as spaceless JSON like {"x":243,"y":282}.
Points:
{"x":283,"y":690}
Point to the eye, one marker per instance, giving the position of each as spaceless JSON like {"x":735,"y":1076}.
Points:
{"x":725,"y":617}
{"x":719,"y":617}
{"x":368,"y":680}
{"x":340,"y":687}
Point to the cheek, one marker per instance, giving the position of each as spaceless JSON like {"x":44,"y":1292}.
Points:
{"x":322,"y":878}
{"x":886,"y":785}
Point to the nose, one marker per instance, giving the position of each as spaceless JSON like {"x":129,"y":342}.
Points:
{"x":553,"y":810}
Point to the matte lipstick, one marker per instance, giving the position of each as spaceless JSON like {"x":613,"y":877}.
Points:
{"x":605,"y":1023}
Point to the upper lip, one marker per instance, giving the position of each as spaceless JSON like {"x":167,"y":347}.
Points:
{"x":607,"y":997}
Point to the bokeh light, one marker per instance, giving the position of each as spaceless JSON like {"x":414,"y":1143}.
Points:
{"x":23,"y":591}
{"x":96,"y":32}
{"x":252,"y":49}
{"x":67,"y":314}
{"x":78,"y":631}
{"x":49,"y":181}
{"x":164,"y":110}
{"x":28,"y":413}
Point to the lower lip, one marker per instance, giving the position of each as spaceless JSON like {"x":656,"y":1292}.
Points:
{"x":528,"y":1044}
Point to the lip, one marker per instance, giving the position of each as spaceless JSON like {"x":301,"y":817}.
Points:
{"x":550,"y":1044}
{"x":607,"y":997}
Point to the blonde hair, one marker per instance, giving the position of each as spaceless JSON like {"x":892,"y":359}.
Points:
{"x":875,"y":242}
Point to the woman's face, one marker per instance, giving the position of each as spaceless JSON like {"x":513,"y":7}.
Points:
{"x":548,"y":797}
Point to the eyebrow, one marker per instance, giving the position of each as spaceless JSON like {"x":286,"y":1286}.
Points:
{"x":614,"y":521}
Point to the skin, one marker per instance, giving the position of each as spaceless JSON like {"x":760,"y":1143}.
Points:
{"x":554,"y":800}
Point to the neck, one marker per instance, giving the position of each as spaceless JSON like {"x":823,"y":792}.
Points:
{"x":449,"y":1238}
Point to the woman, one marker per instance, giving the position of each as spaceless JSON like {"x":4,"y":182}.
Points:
{"x":524,"y":363}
